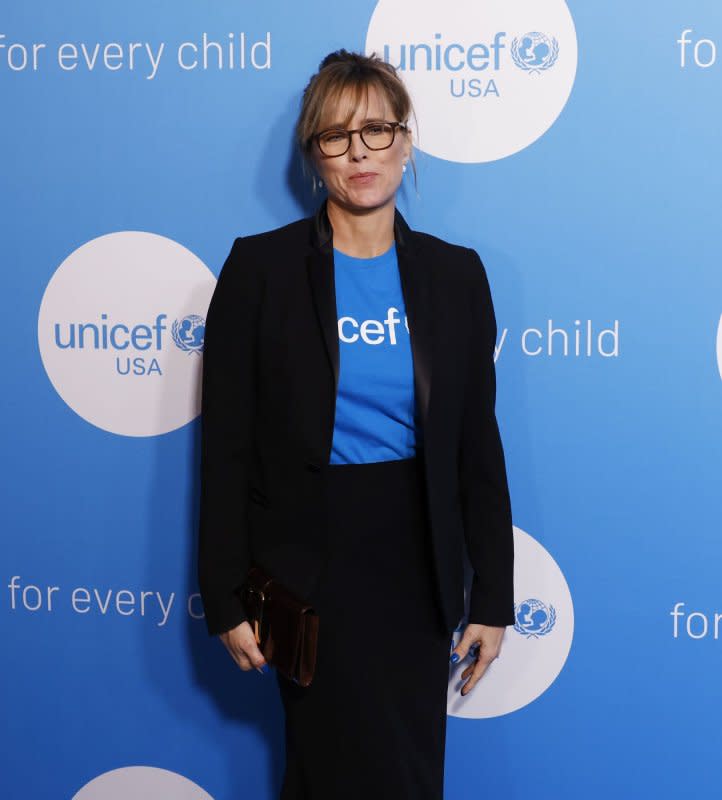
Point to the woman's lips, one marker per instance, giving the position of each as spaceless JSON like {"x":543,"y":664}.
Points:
{"x":363,"y":177}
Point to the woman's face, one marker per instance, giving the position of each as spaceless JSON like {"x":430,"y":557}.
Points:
{"x":363,"y":179}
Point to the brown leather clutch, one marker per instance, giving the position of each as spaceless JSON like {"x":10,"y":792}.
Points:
{"x":286,"y":627}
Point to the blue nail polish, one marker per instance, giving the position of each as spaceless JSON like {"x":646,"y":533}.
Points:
{"x":454,"y":658}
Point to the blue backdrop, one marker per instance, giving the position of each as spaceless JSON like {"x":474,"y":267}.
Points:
{"x":608,"y":218}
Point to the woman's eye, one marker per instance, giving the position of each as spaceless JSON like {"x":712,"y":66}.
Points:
{"x":334,"y":136}
{"x":375,"y":130}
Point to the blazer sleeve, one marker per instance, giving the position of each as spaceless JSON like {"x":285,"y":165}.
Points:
{"x":484,"y":493}
{"x":228,"y":389}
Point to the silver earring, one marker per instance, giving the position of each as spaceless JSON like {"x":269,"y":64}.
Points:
{"x":403,"y":167}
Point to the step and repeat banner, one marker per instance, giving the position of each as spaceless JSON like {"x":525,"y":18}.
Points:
{"x":576,"y":146}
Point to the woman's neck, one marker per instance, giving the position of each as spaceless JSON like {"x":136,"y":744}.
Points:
{"x":362,"y":235}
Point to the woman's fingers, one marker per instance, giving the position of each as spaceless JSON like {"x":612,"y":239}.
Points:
{"x":482,"y":643}
{"x":467,"y":641}
{"x":484,"y":656}
{"x":241,"y":644}
{"x":240,"y":658}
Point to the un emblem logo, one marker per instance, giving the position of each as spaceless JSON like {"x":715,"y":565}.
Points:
{"x":188,"y":333}
{"x":534,"y":52}
{"x":534,"y":618}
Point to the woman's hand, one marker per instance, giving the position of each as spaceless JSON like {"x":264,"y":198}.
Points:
{"x":241,"y":644}
{"x":488,"y":638}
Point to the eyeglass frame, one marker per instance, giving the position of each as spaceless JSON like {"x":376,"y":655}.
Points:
{"x":349,"y":135}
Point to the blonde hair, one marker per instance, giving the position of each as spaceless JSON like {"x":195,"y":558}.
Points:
{"x":345,"y":78}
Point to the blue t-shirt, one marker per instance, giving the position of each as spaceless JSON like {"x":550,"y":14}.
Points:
{"x":375,"y":406}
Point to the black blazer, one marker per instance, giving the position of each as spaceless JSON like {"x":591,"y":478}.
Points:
{"x":270,"y":376}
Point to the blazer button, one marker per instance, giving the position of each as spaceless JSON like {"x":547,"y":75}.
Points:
{"x":312,"y":466}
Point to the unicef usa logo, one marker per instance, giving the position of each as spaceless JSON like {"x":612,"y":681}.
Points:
{"x":487,"y":77}
{"x":533,"y":650}
{"x":188,"y":333}
{"x":535,"y":52}
{"x":534,"y":618}
{"x":120,"y":333}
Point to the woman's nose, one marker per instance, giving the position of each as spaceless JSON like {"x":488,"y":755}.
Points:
{"x":357,"y":150}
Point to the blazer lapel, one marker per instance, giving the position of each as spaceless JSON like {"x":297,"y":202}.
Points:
{"x":323,"y":286}
{"x":321,"y":276}
{"x":415,"y":276}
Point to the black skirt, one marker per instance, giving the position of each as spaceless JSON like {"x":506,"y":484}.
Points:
{"x":373,"y":722}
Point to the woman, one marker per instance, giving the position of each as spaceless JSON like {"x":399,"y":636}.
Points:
{"x":350,"y":447}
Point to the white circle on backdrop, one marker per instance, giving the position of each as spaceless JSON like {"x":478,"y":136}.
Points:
{"x":719,"y":346}
{"x":534,"y":651}
{"x":120,"y":331}
{"x":486,"y":77}
{"x":141,"y":783}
